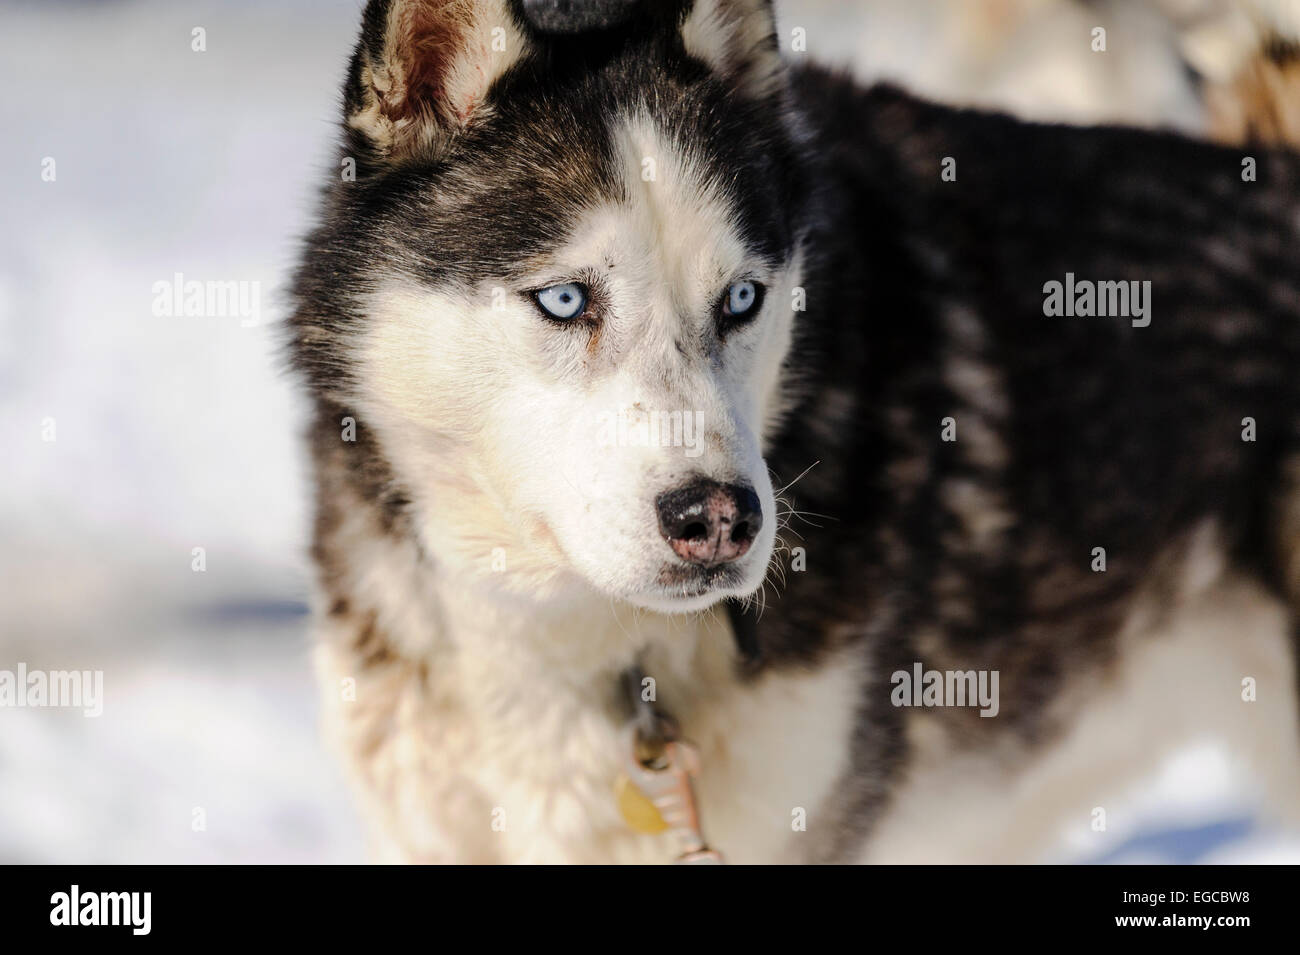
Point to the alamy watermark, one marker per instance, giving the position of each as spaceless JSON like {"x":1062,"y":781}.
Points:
{"x":1085,"y":298}
{"x":922,"y":687}
{"x":652,"y":429}
{"x":76,"y":689}
{"x":191,"y":298}
{"x":129,"y":909}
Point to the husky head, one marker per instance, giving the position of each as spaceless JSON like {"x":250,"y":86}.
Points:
{"x":556,"y":281}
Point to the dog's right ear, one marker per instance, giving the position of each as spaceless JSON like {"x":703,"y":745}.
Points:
{"x":738,"y":39}
{"x":422,"y":70}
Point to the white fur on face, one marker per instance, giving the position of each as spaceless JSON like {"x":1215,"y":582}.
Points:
{"x":523,"y":441}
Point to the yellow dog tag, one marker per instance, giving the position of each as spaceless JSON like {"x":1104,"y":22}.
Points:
{"x":636,"y":808}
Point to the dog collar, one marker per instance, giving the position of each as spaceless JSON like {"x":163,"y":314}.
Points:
{"x":655,"y":792}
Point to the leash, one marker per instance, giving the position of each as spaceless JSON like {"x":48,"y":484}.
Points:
{"x":656,"y":789}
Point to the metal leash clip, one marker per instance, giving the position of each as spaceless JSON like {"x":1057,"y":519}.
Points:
{"x":655,"y":792}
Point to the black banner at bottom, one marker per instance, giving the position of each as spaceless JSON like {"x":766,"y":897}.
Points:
{"x":337,"y":905}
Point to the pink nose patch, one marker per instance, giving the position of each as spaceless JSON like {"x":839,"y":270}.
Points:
{"x":708,"y":523}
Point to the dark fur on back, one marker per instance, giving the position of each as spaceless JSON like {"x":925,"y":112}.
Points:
{"x":1110,"y":435}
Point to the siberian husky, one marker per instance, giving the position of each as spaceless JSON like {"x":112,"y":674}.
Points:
{"x":716,"y":459}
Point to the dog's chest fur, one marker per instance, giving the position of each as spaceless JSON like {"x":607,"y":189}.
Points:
{"x":484,"y":733}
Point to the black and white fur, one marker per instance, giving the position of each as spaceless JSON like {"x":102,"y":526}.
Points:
{"x":488,"y":570}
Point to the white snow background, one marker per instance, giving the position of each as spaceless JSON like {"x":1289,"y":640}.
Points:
{"x":175,"y":432}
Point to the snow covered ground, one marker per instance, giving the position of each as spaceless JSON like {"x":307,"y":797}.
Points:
{"x":171,"y":433}
{"x":175,"y":433}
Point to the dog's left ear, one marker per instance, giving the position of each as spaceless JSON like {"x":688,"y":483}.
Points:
{"x":738,"y":39}
{"x":423,"y":68}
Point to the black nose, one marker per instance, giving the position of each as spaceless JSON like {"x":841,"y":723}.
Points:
{"x":709,"y":523}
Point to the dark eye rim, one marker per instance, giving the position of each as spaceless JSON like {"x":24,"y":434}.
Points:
{"x":534,"y":296}
{"x":732,"y":319}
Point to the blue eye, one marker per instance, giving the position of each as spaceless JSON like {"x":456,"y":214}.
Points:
{"x":742,"y":299}
{"x":562,"y":301}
